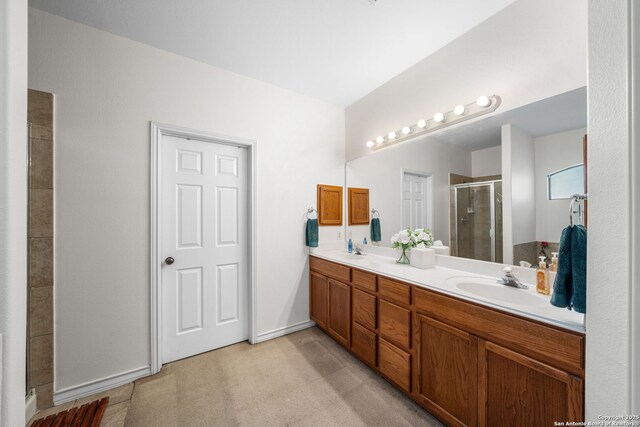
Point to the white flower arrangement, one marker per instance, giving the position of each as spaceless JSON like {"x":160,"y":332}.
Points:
{"x":418,"y":238}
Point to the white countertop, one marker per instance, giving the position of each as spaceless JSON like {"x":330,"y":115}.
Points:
{"x":447,"y":280}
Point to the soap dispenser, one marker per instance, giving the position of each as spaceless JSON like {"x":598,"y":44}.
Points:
{"x":554,"y":262}
{"x":542,"y":277}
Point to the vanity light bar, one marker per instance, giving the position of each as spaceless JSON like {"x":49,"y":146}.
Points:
{"x":483,"y":105}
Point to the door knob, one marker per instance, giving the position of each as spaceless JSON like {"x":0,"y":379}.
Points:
{"x":169,"y":260}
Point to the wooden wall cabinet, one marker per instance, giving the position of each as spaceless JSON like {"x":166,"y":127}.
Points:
{"x":467,"y":364}
{"x":329,"y":205}
{"x":358,"y":206}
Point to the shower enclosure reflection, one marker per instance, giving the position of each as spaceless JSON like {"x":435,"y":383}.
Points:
{"x":476,"y":220}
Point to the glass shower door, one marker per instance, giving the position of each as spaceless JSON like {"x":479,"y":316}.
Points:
{"x":476,"y":221}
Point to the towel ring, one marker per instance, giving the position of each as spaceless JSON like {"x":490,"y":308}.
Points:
{"x":311,"y":210}
{"x":375,"y":212}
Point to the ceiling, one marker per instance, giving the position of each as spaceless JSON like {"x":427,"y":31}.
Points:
{"x":335,"y":50}
{"x":560,"y":113}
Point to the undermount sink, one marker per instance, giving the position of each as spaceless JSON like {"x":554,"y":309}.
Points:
{"x":489,"y":289}
{"x":352,"y":256}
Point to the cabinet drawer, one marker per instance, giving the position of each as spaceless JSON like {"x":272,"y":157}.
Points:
{"x":394,"y":291}
{"x":363,"y":344}
{"x":330,"y":269}
{"x":395,"y":364}
{"x":562,"y":349}
{"x":395,"y":323}
{"x":364,"y":280}
{"x":364,"y":309}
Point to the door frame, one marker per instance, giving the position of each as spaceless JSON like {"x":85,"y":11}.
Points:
{"x":430,"y":196}
{"x":158,"y":130}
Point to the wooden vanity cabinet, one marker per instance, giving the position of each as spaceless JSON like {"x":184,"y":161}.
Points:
{"x":518,"y":372}
{"x":467,"y":364}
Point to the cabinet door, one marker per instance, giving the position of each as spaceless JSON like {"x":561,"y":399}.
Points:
{"x":319,"y":299}
{"x":447,"y":371}
{"x":515,"y":390}
{"x":340,"y":311}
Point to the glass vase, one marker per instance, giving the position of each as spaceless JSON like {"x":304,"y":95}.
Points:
{"x":404,"y":258}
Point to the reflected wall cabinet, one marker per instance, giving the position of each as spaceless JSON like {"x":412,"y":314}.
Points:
{"x":358,"y":206}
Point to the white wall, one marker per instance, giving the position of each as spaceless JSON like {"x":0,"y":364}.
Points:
{"x":381,"y":174}
{"x":518,"y":185}
{"x":635,"y":194}
{"x":13,"y":210}
{"x":529,"y":51}
{"x":107,"y":90}
{"x":552,"y":153}
{"x":486,"y":162}
{"x":609,"y":379}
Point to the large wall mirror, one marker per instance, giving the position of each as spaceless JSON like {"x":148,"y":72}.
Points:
{"x":496,"y":189}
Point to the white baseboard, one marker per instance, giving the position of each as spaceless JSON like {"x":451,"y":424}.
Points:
{"x":98,"y":386}
{"x":266,"y":336}
{"x":30,"y":406}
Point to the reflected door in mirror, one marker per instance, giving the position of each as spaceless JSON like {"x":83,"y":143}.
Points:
{"x":417,"y":205}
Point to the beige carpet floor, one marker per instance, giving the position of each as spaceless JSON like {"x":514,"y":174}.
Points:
{"x":302,"y":379}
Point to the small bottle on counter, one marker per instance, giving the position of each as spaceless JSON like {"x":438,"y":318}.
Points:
{"x":554,"y":262}
{"x":350,"y":246}
{"x":542,"y":277}
{"x":364,"y":241}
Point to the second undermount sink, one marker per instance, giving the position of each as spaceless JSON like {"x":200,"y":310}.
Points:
{"x":352,"y":256}
{"x":489,"y":289}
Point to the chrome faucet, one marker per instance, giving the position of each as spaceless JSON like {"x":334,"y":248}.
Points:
{"x":510,"y":280}
{"x":358,"y":249}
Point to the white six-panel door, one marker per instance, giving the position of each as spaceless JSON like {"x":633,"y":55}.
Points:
{"x":417,"y":211}
{"x":203,"y":246}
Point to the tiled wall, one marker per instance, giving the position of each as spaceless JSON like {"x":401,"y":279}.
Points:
{"x":40,"y":316}
{"x":530,"y":252}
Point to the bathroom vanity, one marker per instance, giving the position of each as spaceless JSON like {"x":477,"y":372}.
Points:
{"x":467,"y":359}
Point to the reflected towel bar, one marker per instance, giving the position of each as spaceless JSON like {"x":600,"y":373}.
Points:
{"x":576,"y":198}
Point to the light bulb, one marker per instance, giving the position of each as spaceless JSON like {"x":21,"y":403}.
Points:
{"x":406,"y":130}
{"x":459,"y":110}
{"x":370,"y":144}
{"x":422,"y":124}
{"x":438,"y":117}
{"x":380,"y":139}
{"x":392,"y":135}
{"x":483,"y":101}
